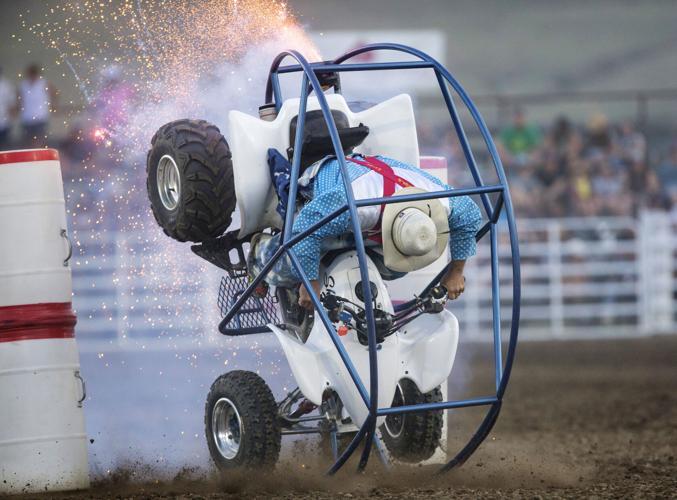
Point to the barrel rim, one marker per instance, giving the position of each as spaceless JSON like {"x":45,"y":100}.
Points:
{"x":28,"y":155}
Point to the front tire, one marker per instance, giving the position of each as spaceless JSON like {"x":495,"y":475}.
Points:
{"x":241,"y":422}
{"x":413,"y":437}
{"x":190,"y":180}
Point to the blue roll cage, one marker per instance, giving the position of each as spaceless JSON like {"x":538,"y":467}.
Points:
{"x":493,"y":211}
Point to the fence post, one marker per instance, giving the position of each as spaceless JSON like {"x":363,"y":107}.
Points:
{"x":655,"y":248}
{"x":555,"y":278}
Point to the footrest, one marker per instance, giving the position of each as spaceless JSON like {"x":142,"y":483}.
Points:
{"x":217,"y":252}
{"x":254,"y":315}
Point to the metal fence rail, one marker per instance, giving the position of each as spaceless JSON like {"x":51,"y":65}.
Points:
{"x":582,"y":278}
{"x":585,"y":278}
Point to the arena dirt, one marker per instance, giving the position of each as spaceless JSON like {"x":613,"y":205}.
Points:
{"x":581,"y":419}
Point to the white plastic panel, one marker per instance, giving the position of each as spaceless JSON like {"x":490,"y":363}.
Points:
{"x":392,"y":133}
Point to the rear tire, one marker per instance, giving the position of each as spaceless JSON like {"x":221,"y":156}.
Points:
{"x":241,"y":422}
{"x":413,"y":437}
{"x":190,"y":180}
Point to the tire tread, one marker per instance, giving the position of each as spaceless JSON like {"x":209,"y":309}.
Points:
{"x":258,"y":412}
{"x":208,"y":188}
{"x":422,"y":431}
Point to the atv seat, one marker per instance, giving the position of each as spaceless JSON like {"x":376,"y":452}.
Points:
{"x":392,"y":133}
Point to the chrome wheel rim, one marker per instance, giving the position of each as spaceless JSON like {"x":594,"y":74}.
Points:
{"x":226,"y":428}
{"x":168,"y":182}
{"x":394,"y":424}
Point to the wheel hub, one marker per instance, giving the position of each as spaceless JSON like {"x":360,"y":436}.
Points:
{"x":226,"y":428}
{"x":168,"y":182}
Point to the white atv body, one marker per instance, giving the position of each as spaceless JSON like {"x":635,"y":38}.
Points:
{"x":423,"y":351}
{"x":415,"y":349}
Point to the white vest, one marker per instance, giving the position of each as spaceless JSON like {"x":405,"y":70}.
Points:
{"x":370,"y":185}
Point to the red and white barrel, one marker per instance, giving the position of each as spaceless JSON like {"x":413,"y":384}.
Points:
{"x":43,"y":445}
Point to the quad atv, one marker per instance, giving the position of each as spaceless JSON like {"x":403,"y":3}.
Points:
{"x":368,"y":371}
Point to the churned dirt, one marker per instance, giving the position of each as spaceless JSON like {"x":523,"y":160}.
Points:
{"x":581,"y":419}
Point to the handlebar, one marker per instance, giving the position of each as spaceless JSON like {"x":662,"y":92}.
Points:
{"x":354,"y":315}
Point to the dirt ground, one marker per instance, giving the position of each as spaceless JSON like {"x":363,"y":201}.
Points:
{"x":593,"y":419}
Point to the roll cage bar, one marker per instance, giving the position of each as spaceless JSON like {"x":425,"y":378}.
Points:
{"x":493,"y":211}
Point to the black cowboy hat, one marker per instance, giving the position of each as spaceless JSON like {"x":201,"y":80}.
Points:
{"x":317,"y":143}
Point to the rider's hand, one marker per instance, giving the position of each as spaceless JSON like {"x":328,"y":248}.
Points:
{"x":304,"y":297}
{"x":454,"y":281}
{"x":455,"y":286}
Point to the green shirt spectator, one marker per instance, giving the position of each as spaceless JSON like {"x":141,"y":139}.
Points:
{"x":521,"y":138}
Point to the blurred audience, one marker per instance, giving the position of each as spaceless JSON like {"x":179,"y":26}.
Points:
{"x":596,"y":170}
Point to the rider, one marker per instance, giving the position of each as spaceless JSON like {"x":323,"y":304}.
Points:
{"x":407,"y":235}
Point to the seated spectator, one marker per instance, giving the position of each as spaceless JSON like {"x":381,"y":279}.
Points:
{"x":606,"y":183}
{"x":598,"y":137}
{"x":561,"y":136}
{"x":637,"y":177}
{"x":631,"y":144}
{"x":654,"y":197}
{"x":561,"y":132}
{"x":553,"y":179}
{"x":526,"y":192}
{"x":667,"y":169}
{"x":581,"y":183}
{"x":520,"y":139}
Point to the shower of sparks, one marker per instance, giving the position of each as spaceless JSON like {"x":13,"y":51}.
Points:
{"x":140,"y":64}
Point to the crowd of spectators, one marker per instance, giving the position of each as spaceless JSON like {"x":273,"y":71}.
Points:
{"x":567,"y":170}
{"x":600,"y":169}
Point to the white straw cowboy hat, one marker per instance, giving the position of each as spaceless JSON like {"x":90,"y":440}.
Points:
{"x":415,"y":233}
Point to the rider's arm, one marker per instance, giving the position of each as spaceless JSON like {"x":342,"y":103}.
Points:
{"x":308,"y":250}
{"x":464,"y":222}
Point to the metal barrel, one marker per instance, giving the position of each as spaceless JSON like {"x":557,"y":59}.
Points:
{"x":43,"y":445}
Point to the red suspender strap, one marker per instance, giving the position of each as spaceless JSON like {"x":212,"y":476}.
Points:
{"x":390,"y":178}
